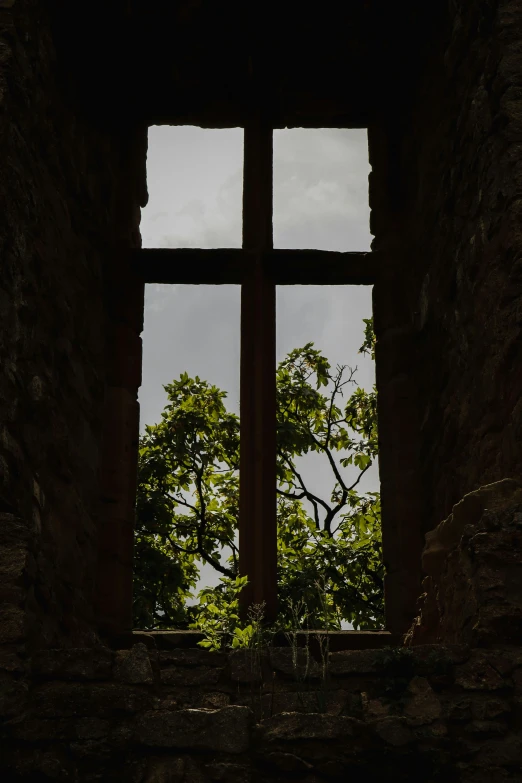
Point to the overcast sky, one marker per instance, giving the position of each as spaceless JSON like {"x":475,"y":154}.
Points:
{"x":195,"y":200}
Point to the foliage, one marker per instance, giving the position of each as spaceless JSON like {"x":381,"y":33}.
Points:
{"x":218,"y":615}
{"x":188,"y":498}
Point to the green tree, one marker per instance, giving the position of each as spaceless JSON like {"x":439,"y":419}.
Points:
{"x":188,"y":502}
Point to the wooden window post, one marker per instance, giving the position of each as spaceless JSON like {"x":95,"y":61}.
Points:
{"x":257,"y":476}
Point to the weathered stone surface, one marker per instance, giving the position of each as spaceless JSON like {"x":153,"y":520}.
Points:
{"x":133,"y":666}
{"x":331,"y":701}
{"x":473,"y":592}
{"x":14,"y":696}
{"x":192,"y":657}
{"x":422,"y":706}
{"x":56,"y":218}
{"x":196,"y":677}
{"x":297,"y":663}
{"x":485,"y":671}
{"x":191,"y":667}
{"x":394,"y":731}
{"x":438,"y":657}
{"x":30,"y":729}
{"x":355,"y":662}
{"x":229,"y":773}
{"x":501,"y":752}
{"x":373,"y":709}
{"x":226,"y":730}
{"x":303,"y":726}
{"x":54,"y":700}
{"x":246,"y":665}
{"x":92,"y":728}
{"x":173,"y":770}
{"x":214,"y":700}
{"x":73,"y":664}
{"x":12,"y":624}
{"x":446,"y":536}
{"x":287,"y":762}
{"x":489,"y":709}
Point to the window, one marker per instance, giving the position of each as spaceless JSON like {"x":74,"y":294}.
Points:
{"x":258,"y":268}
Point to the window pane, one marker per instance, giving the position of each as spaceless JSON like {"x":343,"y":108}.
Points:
{"x":321,"y":189}
{"x":192,"y":330}
{"x":322,"y":531}
{"x":195,"y":182}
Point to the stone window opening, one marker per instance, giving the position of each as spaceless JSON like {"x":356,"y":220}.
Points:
{"x":259,"y":268}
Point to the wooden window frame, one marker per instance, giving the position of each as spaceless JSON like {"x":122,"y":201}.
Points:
{"x":258,"y":268}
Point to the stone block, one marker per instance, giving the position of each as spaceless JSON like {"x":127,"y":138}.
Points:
{"x":192,"y":657}
{"x":92,"y":728}
{"x":88,"y":663}
{"x":12,"y":564}
{"x":355,"y":662}
{"x":298,"y":664}
{"x":394,"y":731}
{"x":505,"y":752}
{"x":472,"y":592}
{"x":14,"y":696}
{"x":422,"y":705}
{"x":61,"y":700}
{"x":468,"y":511}
{"x":12,"y":624}
{"x":197,"y":677}
{"x":246,"y":666}
{"x":229,"y":773}
{"x":214,"y":700}
{"x":226,"y":730}
{"x":289,"y":726}
{"x":288,"y":762}
{"x":485,"y":671}
{"x":133,"y":666}
{"x":177,"y":769}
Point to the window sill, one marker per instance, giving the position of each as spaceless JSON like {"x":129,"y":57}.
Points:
{"x":338,"y":640}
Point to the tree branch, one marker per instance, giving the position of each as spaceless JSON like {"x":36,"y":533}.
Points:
{"x":200,"y":531}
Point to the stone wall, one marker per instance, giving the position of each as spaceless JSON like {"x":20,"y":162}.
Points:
{"x":446,"y":210}
{"x":461,"y":235}
{"x":67,"y":193}
{"x":159,"y":709}
{"x":155,"y":713}
{"x":473,"y":583}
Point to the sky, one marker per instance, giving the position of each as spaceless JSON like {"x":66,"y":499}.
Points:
{"x":195,"y":200}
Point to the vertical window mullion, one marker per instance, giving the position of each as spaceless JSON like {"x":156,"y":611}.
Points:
{"x":257,"y":504}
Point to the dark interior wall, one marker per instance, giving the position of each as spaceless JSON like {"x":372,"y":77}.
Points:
{"x":445,"y":193}
{"x":67,"y":210}
{"x":459,"y":227}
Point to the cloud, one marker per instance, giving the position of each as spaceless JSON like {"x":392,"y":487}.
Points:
{"x":320,"y":193}
{"x":204,"y":223}
{"x":157,"y":215}
{"x":321,"y":189}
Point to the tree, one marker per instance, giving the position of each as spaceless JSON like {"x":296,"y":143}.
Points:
{"x":188,"y":500}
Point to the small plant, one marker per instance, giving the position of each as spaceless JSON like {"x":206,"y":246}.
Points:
{"x":218,"y":616}
{"x":299,"y":622}
{"x":323,"y":639}
{"x":302,"y":660}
